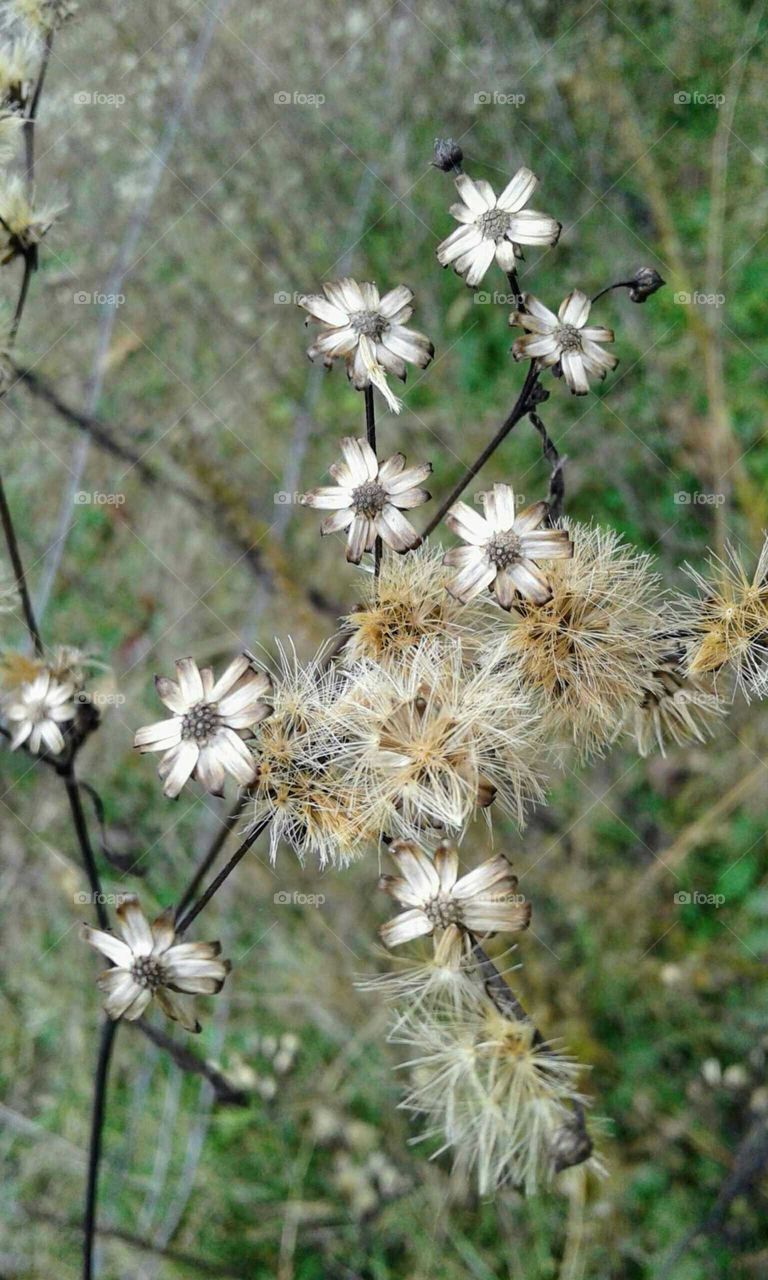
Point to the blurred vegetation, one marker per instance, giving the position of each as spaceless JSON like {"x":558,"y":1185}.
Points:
{"x":206,"y":382}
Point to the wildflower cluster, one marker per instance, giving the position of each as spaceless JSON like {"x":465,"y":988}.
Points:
{"x":462,"y":677}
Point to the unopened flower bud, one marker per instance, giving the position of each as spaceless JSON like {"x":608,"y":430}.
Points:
{"x":447,"y":155}
{"x":645,"y":281}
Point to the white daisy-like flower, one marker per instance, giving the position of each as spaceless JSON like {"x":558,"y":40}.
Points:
{"x":37,"y":709}
{"x":148,"y":961}
{"x":369,"y":332}
{"x":483,"y":901}
{"x":504,"y":549}
{"x":494,"y":227}
{"x":369,"y":499}
{"x":204,"y":737}
{"x":564,"y":339}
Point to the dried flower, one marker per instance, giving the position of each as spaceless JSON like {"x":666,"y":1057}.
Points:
{"x":728,"y":623}
{"x":645,"y":281}
{"x":148,"y":962}
{"x":408,"y":603}
{"x":588,"y":649}
{"x":495,"y":1094}
{"x":369,"y":498}
{"x":447,"y":155}
{"x":22,"y":226}
{"x":369,"y":332}
{"x":564,"y":340}
{"x":484,"y":901}
{"x":674,"y":708}
{"x":310,"y":802}
{"x":38,"y":16}
{"x":504,"y":549}
{"x":430,"y":740}
{"x":19,"y":62}
{"x":204,"y":737}
{"x":494,"y":227}
{"x":446,"y":980}
{"x":38,"y":708}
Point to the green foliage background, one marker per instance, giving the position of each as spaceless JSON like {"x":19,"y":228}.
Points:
{"x":207,"y":382}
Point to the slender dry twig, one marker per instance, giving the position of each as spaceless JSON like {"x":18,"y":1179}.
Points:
{"x":188,"y":1060}
{"x":101,"y":1079}
{"x":370,"y":435}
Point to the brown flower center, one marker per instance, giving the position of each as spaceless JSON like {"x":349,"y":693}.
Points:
{"x":504,"y":549}
{"x":494,"y":224}
{"x":148,"y":972}
{"x":200,"y":722}
{"x":442,"y":910}
{"x":368,"y":499}
{"x":368,"y":322}
{"x":569,"y":338}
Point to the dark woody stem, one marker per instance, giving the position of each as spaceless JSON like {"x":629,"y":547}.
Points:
{"x":217,"y":844}
{"x":532,"y":393}
{"x":108,"y":1032}
{"x":223,"y":875}
{"x":557,"y":474}
{"x":67,"y":773}
{"x":570,"y":1144}
{"x":620,"y":284}
{"x":18,"y":572}
{"x":370,"y":435}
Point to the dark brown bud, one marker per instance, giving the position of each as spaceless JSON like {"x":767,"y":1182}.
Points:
{"x":447,"y":155}
{"x":645,"y":281}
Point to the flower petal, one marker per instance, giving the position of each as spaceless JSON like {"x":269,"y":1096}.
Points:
{"x":404,"y":928}
{"x":324,"y":310}
{"x":531,"y":227}
{"x":178,"y":767}
{"x":190,"y":681}
{"x":499,"y":507}
{"x":474,"y":197}
{"x":518,"y":191}
{"x":393,"y":527}
{"x":110,"y":946}
{"x":574,"y":309}
{"x":134,"y":926}
{"x":468,"y":524}
{"x":360,"y":459}
{"x":531,"y":582}
{"x":394,"y":301}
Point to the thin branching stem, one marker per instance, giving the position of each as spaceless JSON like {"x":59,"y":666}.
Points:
{"x":217,"y":844}
{"x":18,"y":572}
{"x":557,"y":473}
{"x":223,"y":875}
{"x":531,"y":394}
{"x":101,"y":1078}
{"x":80,"y":824}
{"x":370,"y":435}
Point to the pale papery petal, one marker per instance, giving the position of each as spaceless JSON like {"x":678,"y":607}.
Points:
{"x":468,"y":524}
{"x":390,"y":362}
{"x":360,"y":459}
{"x":337,"y":522}
{"x":52,"y":737}
{"x":404,"y":928}
{"x":447,"y":867}
{"x":499,"y":507}
{"x":390,"y":469}
{"x":531,"y":582}
{"x":236,"y":669}
{"x":324,"y":310}
{"x":473,"y":265}
{"x":530,"y":517}
{"x":462,"y":213}
{"x":471,"y":194}
{"x":394,"y":301}
{"x":110,"y":946}
{"x":190,"y":681}
{"x":134,"y":926}
{"x":547,"y":544}
{"x":505,"y":255}
{"x":534,"y":228}
{"x":209,"y":771}
{"x":163,"y":931}
{"x":361,"y":537}
{"x":178,"y":1009}
{"x":183,"y":764}
{"x":504,"y":589}
{"x":410,"y":499}
{"x":169,"y":692}
{"x":160,"y":735}
{"x":328,"y":497}
{"x":518,"y":191}
{"x":539,"y":312}
{"x":122,"y":993}
{"x":395,"y":529}
{"x":409,"y":345}
{"x":574,"y":372}
{"x":574,"y":309}
{"x":495,"y":873}
{"x":235,"y":756}
{"x":416,"y":867}
{"x":410,"y":478}
{"x":458,"y":243}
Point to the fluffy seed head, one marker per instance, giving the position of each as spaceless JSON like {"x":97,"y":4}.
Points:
{"x":728,"y":622}
{"x":585,"y":651}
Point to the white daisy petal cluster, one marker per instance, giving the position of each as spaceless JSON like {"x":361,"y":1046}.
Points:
{"x":504,"y":549}
{"x":494,"y":227}
{"x":369,"y":499}
{"x":203,"y":739}
{"x":564,"y":340}
{"x":368,"y":332}
{"x":148,"y":962}
{"x":484,"y":901}
{"x":37,"y":710}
